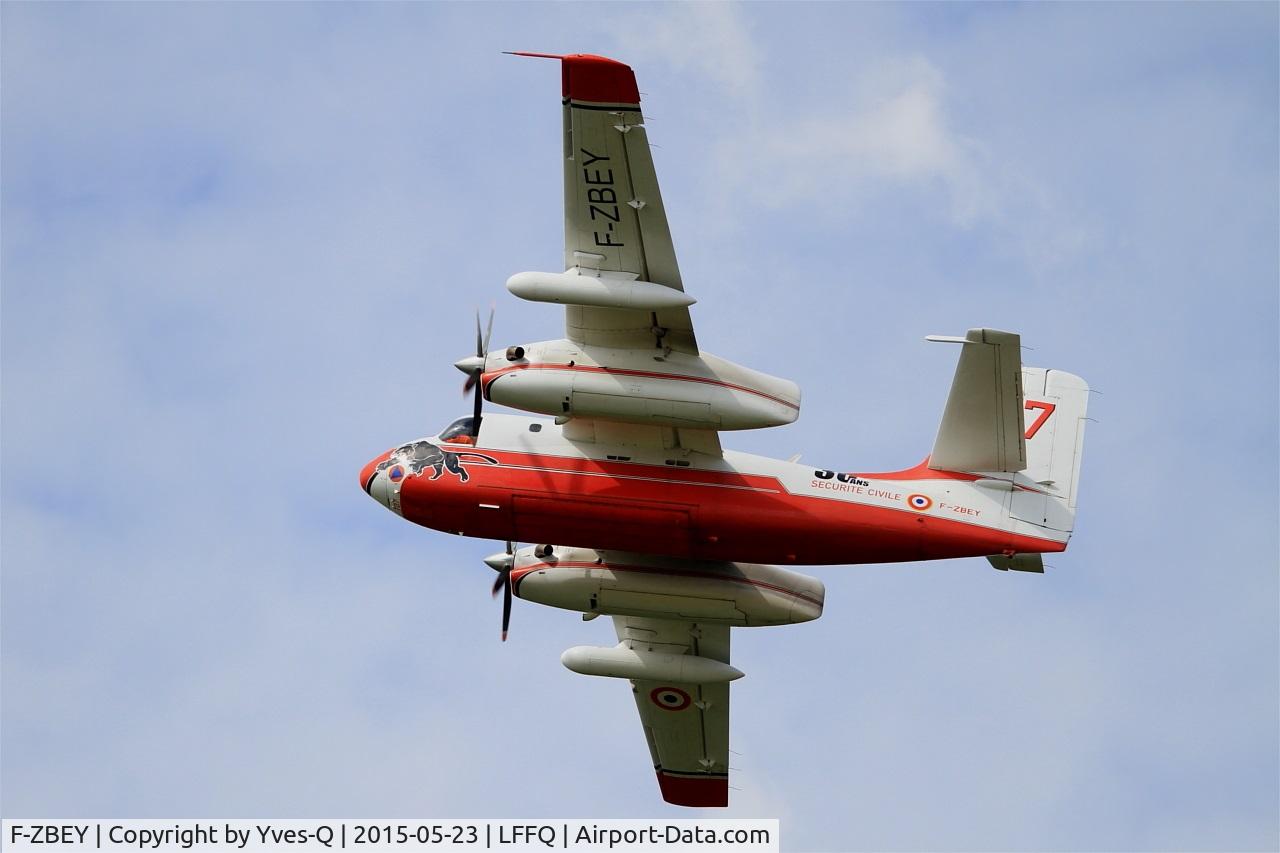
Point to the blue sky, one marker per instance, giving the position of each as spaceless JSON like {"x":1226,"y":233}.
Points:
{"x":241,"y":248}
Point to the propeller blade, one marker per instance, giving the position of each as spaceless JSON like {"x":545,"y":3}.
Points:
{"x":506,"y":606}
{"x":503,"y":564}
{"x":484,"y":347}
{"x":474,"y":368}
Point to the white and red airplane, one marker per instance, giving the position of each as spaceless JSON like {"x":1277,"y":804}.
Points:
{"x":637,"y":511}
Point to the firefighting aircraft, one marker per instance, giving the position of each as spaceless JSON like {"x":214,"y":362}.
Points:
{"x":639,"y":514}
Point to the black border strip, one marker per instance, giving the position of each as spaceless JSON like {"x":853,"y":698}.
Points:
{"x":690,"y":774}
{"x":621,"y":108}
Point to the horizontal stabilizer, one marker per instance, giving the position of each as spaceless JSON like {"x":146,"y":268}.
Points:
{"x":1018,"y":563}
{"x":982,"y":425}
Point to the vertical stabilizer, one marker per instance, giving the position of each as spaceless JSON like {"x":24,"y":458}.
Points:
{"x":1055,"y":414}
{"x":982,"y":426}
{"x":1056,"y":405}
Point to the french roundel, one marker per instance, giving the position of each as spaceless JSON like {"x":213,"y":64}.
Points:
{"x":670,"y":698}
{"x":920,"y":502}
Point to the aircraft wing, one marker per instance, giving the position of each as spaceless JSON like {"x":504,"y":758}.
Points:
{"x":614,"y":221}
{"x":686,"y":725}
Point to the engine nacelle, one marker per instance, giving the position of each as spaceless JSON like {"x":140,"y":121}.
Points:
{"x":619,"y":584}
{"x":605,"y":290}
{"x":560,"y":379}
{"x":624,"y":661}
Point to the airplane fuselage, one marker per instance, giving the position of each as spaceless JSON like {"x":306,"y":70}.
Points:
{"x":523,"y":480}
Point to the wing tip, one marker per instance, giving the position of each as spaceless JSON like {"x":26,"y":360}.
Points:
{"x":696,"y":791}
{"x":592,"y":78}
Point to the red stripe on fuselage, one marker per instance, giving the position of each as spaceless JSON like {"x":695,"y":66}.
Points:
{"x":924,"y":472}
{"x":686,"y":512}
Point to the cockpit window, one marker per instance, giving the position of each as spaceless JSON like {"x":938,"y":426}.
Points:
{"x":460,"y":427}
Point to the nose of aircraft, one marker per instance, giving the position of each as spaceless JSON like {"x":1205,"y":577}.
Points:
{"x":366,"y":473}
{"x":375,"y":482}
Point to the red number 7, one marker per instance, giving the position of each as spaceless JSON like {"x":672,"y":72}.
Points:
{"x":1046,"y":409}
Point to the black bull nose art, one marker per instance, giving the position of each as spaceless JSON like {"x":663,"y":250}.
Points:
{"x":413,"y":459}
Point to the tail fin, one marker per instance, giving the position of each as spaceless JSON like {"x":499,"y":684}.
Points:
{"x":982,"y":426}
{"x":1002,"y":417}
{"x":1055,"y":406}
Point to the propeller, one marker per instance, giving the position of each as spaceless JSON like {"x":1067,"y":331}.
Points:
{"x":503,"y":563}
{"x":473,"y":366}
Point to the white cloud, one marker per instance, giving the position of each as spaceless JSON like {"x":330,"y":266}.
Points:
{"x":893,"y":133}
{"x":711,"y":40}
